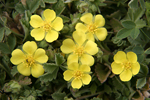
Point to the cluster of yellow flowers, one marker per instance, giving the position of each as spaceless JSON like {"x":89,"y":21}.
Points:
{"x":80,"y":49}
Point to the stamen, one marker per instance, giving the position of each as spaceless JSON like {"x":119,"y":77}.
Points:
{"x":92,"y":28}
{"x":127,"y":65}
{"x":46,"y":26}
{"x":30,"y":61}
{"x":79,"y":50}
{"x":78,"y":74}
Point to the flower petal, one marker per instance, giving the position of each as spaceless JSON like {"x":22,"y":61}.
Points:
{"x":38,"y":34}
{"x":99,"y":20}
{"x":68,"y":75}
{"x":51,"y":36}
{"x":79,"y":37}
{"x":37,"y":70}
{"x":86,"y":79}
{"x":40,"y":56}
{"x":135,"y":68}
{"x":84,"y":68}
{"x":81,"y":27}
{"x":67,"y":46}
{"x":91,"y":47}
{"x":90,"y":36}
{"x":57,"y":24}
{"x":49,"y":15}
{"x":87,"y":18}
{"x":120,"y":57}
{"x":76,"y":83}
{"x":117,"y":68}
{"x":29,"y":47}
{"x":132,"y":57}
{"x":126,"y":75}
{"x":101,"y":33}
{"x":87,"y":59}
{"x":36,"y":21}
{"x":73,"y":66}
{"x":72,"y":58}
{"x":23,"y":69}
{"x":17,"y":57}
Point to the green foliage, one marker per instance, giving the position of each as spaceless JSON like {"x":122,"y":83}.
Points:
{"x":140,"y":82}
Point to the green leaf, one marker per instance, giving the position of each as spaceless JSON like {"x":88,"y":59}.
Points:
{"x":59,"y":59}
{"x":59,"y":7}
{"x":140,"y":23}
{"x":4,"y":48}
{"x":143,"y":70}
{"x":142,"y":4}
{"x":42,"y":3}
{"x":138,"y":14}
{"x":133,"y":4}
{"x":134,"y":33}
{"x":11,"y":39}
{"x":7,"y":31}
{"x":140,"y":82}
{"x":58,"y":96}
{"x":107,"y":89}
{"x":96,"y":98}
{"x":2,"y":33}
{"x":65,"y":18}
{"x":128,"y":24}
{"x":138,"y":50}
{"x":31,"y":98}
{"x":33,"y":5}
{"x":14,"y":70}
{"x":50,"y":67}
{"x":3,"y":20}
{"x":20,"y":8}
{"x":50,"y":1}
{"x":93,"y":88}
{"x":147,"y":51}
{"x":25,"y":81}
{"x":123,"y":33}
{"x":115,"y":24}
{"x":102,"y":72}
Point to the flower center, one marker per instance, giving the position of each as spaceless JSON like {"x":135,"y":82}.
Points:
{"x":46,"y":26}
{"x":30,"y":60}
{"x":79,"y":50}
{"x":78,"y":74}
{"x":92,"y":28}
{"x":127,"y":65}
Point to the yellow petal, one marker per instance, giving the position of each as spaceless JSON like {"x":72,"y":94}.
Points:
{"x":81,"y":27}
{"x":120,"y":57}
{"x":57,"y":24}
{"x":68,"y":75}
{"x":91,"y":47}
{"x":101,"y":33}
{"x":117,"y":68}
{"x":23,"y":69}
{"x":37,"y":70}
{"x":38,"y":34}
{"x":87,"y":18}
{"x":17,"y":57}
{"x":132,"y":57}
{"x":49,"y":15}
{"x":90,"y":36}
{"x":99,"y":20}
{"x":79,"y":37}
{"x":135,"y":68}
{"x":76,"y":83}
{"x":51,"y":36}
{"x":86,"y":79}
{"x":126,"y":75}
{"x":73,"y":66}
{"x":72,"y":58}
{"x":84,"y":68}
{"x":40,"y":56}
{"x":67,"y":46}
{"x":36,"y":21}
{"x":87,"y":59}
{"x":29,"y":47}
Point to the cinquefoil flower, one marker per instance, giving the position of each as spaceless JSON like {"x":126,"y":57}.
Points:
{"x":29,"y":60}
{"x":78,"y":74}
{"x":93,"y":26}
{"x":47,"y":27}
{"x":81,"y":50}
{"x":126,"y":65}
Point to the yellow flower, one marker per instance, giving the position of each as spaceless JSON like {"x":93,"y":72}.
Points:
{"x":93,"y":26}
{"x":81,"y":50}
{"x":47,"y":27}
{"x":29,"y":60}
{"x":78,"y":74}
{"x":126,"y":65}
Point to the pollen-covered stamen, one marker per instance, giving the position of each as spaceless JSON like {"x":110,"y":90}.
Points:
{"x":46,"y":26}
{"x":79,"y":50}
{"x":92,"y":28}
{"x":127,"y":65}
{"x":78,"y":74}
{"x":30,"y":61}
